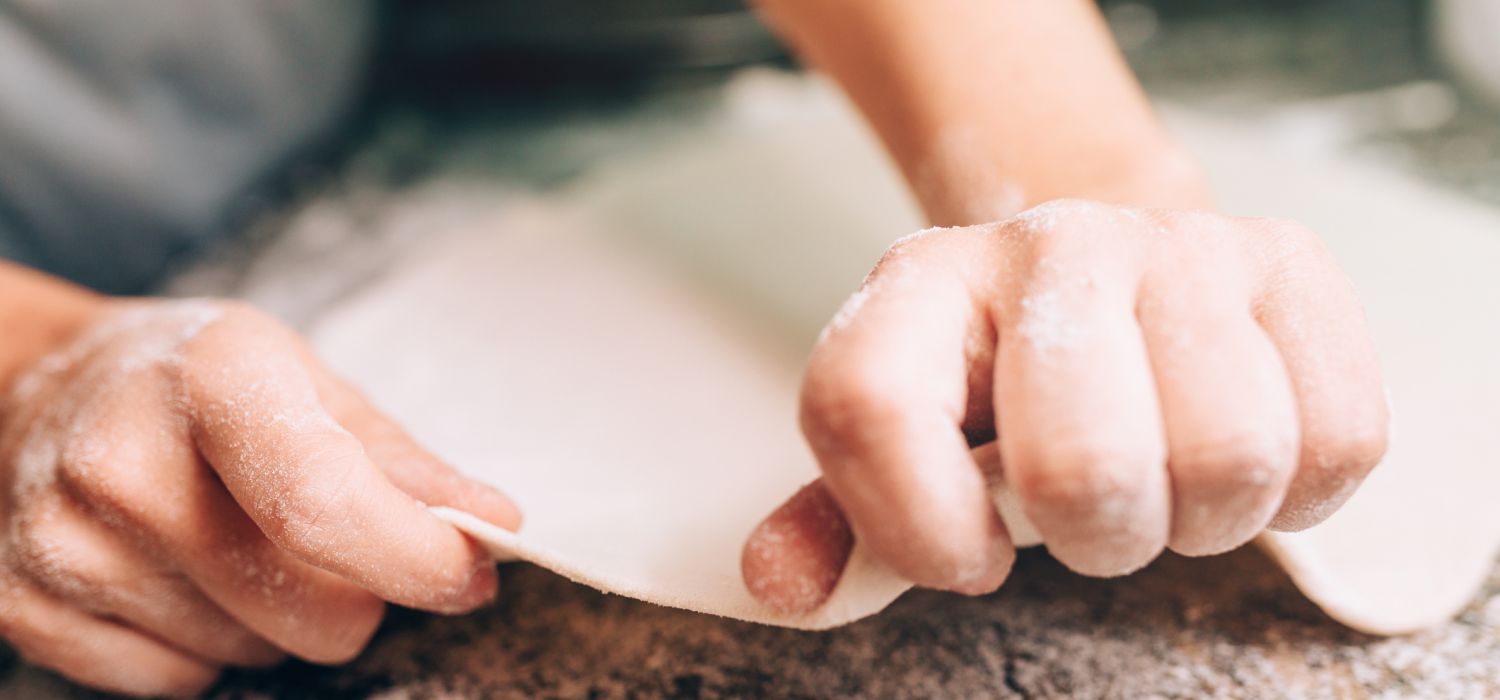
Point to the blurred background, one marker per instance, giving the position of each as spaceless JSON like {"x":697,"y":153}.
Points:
{"x":687,"y":125}
{"x":374,"y":96}
{"x":1269,"y":57}
{"x":443,"y":62}
{"x":688,"y":129}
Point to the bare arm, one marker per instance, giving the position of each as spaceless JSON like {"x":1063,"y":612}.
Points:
{"x":991,"y":107}
{"x":37,"y":313}
{"x":1149,"y":375}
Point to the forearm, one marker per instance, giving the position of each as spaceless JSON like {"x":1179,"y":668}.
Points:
{"x":37,"y":313}
{"x":990,"y":106}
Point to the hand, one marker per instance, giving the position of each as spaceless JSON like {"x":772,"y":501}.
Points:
{"x":1152,"y":378}
{"x":187,"y":488}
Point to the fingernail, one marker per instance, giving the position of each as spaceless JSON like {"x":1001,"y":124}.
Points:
{"x":985,"y":577}
{"x":482,"y":588}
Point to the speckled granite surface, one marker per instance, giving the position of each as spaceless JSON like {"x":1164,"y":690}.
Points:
{"x":1230,"y":626}
{"x":1227,"y":627}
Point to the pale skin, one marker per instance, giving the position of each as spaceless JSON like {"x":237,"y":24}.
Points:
{"x":186,"y":487}
{"x":1144,"y":372}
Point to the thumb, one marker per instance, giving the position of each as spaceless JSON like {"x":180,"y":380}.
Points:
{"x":795,"y":557}
{"x":407,"y":464}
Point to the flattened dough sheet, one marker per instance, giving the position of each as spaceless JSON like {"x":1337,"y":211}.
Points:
{"x":645,"y":420}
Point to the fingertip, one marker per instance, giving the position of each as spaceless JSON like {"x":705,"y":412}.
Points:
{"x":482,"y":588}
{"x":1107,"y":561}
{"x":190,"y":685}
{"x":270,"y":657}
{"x":1299,"y":517}
{"x":492,"y":505}
{"x":955,"y":542}
{"x":793,"y":560}
{"x":991,"y":579}
{"x":963,"y":570}
{"x":357,"y":617}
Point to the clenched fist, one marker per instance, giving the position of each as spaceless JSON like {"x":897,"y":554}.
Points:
{"x":1148,"y":379}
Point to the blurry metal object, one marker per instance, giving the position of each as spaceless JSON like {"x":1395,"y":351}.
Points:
{"x":583,"y":36}
{"x":1467,"y":33}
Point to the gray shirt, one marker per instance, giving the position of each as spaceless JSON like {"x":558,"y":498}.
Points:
{"x":127,"y":130}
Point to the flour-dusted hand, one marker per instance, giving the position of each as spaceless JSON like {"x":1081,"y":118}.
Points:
{"x":1153,"y":378}
{"x":186,"y":487}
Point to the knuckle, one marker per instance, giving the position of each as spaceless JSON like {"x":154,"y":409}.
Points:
{"x":221,"y":315}
{"x":949,"y":547}
{"x":10,"y":605}
{"x":1198,"y":222}
{"x":33,"y":648}
{"x":1333,"y":467}
{"x":912,"y":243}
{"x":1067,"y":238}
{"x":1289,"y":242}
{"x":1239,"y":462}
{"x":918,"y":254}
{"x":1083,"y":474}
{"x":1064,"y":220}
{"x":898,"y":258}
{"x":842,"y":404}
{"x":1289,"y":230}
{"x":1353,"y":451}
{"x":93,"y":478}
{"x":56,"y":559}
{"x":236,"y":645}
{"x":182,"y":682}
{"x":947,"y":564}
{"x":233,"y":324}
{"x":241,"y":314}
{"x":84,"y":469}
{"x":346,"y":637}
{"x":40,"y":549}
{"x":186,"y":682}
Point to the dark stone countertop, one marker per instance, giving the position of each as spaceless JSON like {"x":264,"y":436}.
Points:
{"x":1226,"y":627}
{"x":1230,"y":626}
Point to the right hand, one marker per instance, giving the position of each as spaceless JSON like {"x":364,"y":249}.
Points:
{"x":185,"y":487}
{"x":1143,"y":379}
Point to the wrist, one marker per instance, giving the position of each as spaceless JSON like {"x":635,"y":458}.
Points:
{"x":960,"y":186}
{"x":1168,"y":178}
{"x":38,"y":315}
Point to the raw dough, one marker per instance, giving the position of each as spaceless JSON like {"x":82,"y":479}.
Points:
{"x":1416,"y":542}
{"x":642,"y":432}
{"x":646,"y":423}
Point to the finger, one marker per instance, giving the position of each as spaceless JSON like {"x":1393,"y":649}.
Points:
{"x":882,"y":406}
{"x":94,"y":652}
{"x":407,"y":464}
{"x":165,"y":498}
{"x":1312,"y":314}
{"x":75,"y":560}
{"x":307,"y":612}
{"x":1079,"y":424}
{"x":794,"y":558}
{"x":308,"y":484}
{"x":1228,"y":408}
